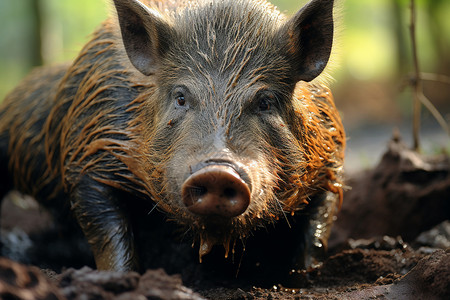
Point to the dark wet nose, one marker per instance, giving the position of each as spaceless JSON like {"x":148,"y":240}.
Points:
{"x":216,"y":190}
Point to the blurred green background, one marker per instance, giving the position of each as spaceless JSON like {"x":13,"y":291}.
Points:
{"x":374,"y":56}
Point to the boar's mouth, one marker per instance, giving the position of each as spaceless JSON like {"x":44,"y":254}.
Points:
{"x":210,"y":230}
{"x":215,"y":233}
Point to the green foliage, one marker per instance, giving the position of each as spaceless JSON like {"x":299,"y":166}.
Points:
{"x":65,"y":26}
{"x":375,"y":41}
{"x":69,"y":24}
{"x":14,"y":55}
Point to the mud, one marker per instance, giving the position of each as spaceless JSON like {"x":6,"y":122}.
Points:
{"x":388,"y":243}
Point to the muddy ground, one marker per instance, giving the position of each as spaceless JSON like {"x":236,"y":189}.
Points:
{"x":391,"y":240}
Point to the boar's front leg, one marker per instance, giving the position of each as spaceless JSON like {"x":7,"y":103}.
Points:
{"x":320,"y":214}
{"x":105,"y":225}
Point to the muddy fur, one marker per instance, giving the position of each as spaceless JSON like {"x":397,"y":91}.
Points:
{"x":103,"y":134}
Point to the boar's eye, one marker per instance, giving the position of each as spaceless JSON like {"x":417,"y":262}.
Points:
{"x":266,"y":100}
{"x":264,"y":104}
{"x":180,"y":95}
{"x":180,"y":100}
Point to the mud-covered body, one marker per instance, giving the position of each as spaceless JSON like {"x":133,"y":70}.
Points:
{"x":104,"y":134}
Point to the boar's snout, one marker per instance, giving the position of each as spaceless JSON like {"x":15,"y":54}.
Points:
{"x":216,"y":190}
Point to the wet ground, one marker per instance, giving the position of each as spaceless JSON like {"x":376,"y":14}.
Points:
{"x":391,"y":241}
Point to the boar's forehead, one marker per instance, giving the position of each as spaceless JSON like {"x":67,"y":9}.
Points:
{"x":234,"y":41}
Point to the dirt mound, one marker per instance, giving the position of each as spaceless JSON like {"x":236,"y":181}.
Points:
{"x":385,"y":244}
{"x":405,"y":194}
{"x":352,"y":274}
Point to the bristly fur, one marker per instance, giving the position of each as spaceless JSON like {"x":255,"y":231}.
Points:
{"x":100,"y":125}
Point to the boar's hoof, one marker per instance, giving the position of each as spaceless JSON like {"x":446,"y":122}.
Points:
{"x":216,"y":190}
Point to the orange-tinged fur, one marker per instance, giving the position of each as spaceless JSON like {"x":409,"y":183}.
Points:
{"x":100,"y":126}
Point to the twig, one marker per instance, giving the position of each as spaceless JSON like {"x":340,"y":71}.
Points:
{"x":419,"y":97}
{"x":436,"y":114}
{"x":417,"y":84}
{"x":435,"y":77}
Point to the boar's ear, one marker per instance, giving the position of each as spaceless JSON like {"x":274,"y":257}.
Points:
{"x":144,"y":34}
{"x":308,"y":37}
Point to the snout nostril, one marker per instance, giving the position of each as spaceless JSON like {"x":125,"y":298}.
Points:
{"x":193,"y":194}
{"x":230,"y":193}
{"x":197,"y":191}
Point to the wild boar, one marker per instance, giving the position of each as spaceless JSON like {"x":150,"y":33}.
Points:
{"x":204,"y":108}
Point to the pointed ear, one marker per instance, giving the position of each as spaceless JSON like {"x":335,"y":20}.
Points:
{"x":308,"y":38}
{"x":145,"y":34}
